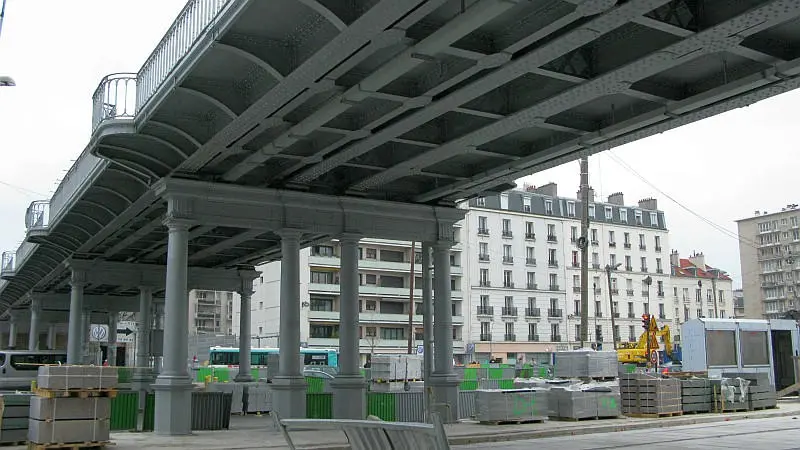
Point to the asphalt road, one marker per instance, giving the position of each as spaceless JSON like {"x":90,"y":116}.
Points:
{"x":769,"y":434}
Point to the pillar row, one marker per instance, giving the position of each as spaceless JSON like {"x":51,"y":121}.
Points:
{"x":349,"y":389}
{"x":444,"y":381}
{"x":75,"y":335}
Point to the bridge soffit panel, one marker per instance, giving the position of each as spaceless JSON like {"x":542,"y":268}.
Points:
{"x":272,"y":210}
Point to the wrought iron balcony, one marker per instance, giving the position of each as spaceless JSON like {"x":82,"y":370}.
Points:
{"x":595,"y":242}
{"x":114,"y":99}
{"x":658,"y":248}
{"x":598,"y":314}
{"x":554,"y":287}
{"x":644,"y":269}
{"x":629,"y":292}
{"x":552,"y":263}
{"x":631,"y":338}
{"x":627,"y":245}
{"x":660,"y":293}
{"x":612,"y":244}
{"x":486,"y":336}
{"x":483,"y":310}
{"x":532,"y":312}
{"x":508,"y":260}
{"x":642,"y":247}
{"x":616,"y":315}
{"x":551,"y":238}
{"x":645,"y":293}
{"x":510,"y":337}
{"x":595,"y":265}
{"x":532,"y":286}
{"x":576,"y":289}
{"x":508,"y":284}
{"x":629,"y":268}
{"x":530,"y":236}
{"x":510,"y":311}
{"x":508,"y":234}
{"x":485,"y":283}
{"x":533,"y":337}
{"x":483,"y":257}
{"x":576,"y":264}
{"x":615,"y":291}
{"x":662,"y":316}
{"x":483,"y":231}
{"x":554,"y":312}
{"x":631,"y":316}
{"x":555,"y":338}
{"x":530,"y":261}
{"x":598,"y":291}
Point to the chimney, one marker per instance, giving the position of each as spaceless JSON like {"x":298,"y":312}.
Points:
{"x":591,"y":195}
{"x":616,"y":199}
{"x":648,"y":203}
{"x":549,"y":189}
{"x":675,"y":258}
{"x":699,"y":261}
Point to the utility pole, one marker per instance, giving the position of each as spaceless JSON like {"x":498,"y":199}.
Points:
{"x":714,"y":276}
{"x":583,"y":244}
{"x":609,"y":268}
{"x":411,"y":300}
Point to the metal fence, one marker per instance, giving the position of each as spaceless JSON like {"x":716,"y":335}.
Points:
{"x":114,"y":98}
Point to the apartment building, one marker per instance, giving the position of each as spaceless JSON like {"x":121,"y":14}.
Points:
{"x":699,"y":290}
{"x":523,"y":267}
{"x":738,"y":304}
{"x":385,"y":288}
{"x":768,"y":247}
{"x":213,"y":312}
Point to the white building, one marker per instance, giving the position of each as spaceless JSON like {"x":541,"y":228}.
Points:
{"x":524,"y":270}
{"x":385,"y":287}
{"x":213,"y":312}
{"x":699,"y":290}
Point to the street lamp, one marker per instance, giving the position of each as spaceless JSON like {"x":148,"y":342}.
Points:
{"x":609,"y":268}
{"x":7,"y":81}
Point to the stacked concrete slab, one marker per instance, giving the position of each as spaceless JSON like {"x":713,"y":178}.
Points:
{"x":650,"y":395}
{"x":396,"y":367}
{"x":696,"y":395}
{"x":586,"y":364}
{"x":577,"y":404}
{"x":72,"y":405}
{"x":761,"y":392}
{"x":15,"y":411}
{"x":512,"y":405}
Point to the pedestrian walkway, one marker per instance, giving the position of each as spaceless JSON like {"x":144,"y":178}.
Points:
{"x":251,"y":432}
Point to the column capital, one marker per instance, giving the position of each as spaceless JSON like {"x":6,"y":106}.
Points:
{"x":77,"y":278}
{"x":442,"y":244}
{"x":177,"y":223}
{"x":350,"y":238}
{"x":146,"y":289}
{"x":290,"y":233}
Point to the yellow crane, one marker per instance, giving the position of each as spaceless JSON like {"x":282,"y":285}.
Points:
{"x":637,"y":352}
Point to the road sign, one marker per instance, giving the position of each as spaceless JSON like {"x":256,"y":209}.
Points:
{"x":420,"y":349}
{"x":98,"y":333}
{"x":126,"y":331}
{"x":470,"y":348}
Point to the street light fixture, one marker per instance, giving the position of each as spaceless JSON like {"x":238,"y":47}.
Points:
{"x":7,"y":81}
{"x":609,"y":268}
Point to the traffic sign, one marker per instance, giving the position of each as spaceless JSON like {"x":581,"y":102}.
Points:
{"x":126,"y":331}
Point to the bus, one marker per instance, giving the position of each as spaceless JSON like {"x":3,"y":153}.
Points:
{"x":229,"y":356}
{"x":19,"y":367}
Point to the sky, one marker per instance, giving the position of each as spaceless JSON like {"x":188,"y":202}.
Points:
{"x":717,"y":170}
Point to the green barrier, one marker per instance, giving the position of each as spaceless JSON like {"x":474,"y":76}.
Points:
{"x":381,"y":405}
{"x":150,"y":412}
{"x":319,"y":406}
{"x":470,"y":373}
{"x":314,"y":385}
{"x":468,"y":385}
{"x":496,"y":373}
{"x":124,"y":409}
{"x":124,"y":374}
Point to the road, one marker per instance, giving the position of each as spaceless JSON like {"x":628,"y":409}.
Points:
{"x":773,"y":434}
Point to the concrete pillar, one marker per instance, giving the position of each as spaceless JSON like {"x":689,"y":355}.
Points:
{"x":427,"y":313}
{"x":86,"y":324}
{"x":51,"y":336}
{"x":245,"y":336}
{"x":112,"y":338}
{"x":33,"y":333}
{"x":142,"y":373}
{"x":349,"y":390}
{"x":443,"y":381}
{"x":289,"y":386}
{"x":75,"y":335}
{"x":12,"y":334}
{"x":174,"y":386}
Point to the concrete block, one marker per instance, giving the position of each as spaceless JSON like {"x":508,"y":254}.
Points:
{"x":15,"y":435}
{"x":61,"y":377}
{"x":70,"y":408}
{"x":15,"y":411}
{"x":100,"y":377}
{"x":68,"y":431}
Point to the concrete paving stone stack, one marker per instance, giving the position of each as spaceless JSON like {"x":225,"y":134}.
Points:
{"x":696,"y":395}
{"x":572,"y":404}
{"x":609,"y":402}
{"x":586,"y":364}
{"x":645,"y":394}
{"x":396,"y":367}
{"x":730,"y":394}
{"x":15,"y":412}
{"x":512,"y":405}
{"x":72,"y":405}
{"x":761,"y":392}
{"x":259,"y":398}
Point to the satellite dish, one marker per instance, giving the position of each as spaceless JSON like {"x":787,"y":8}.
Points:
{"x":7,"y":81}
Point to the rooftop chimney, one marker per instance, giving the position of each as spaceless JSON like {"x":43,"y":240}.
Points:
{"x":591,"y":194}
{"x":675,"y":258}
{"x":549,"y":189}
{"x":648,"y":203}
{"x":616,"y":199}
{"x":699,"y":260}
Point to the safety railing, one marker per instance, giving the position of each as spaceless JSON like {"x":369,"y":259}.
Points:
{"x":37,"y":217}
{"x":192,"y":21}
{"x":9,"y":259}
{"x":114,"y":98}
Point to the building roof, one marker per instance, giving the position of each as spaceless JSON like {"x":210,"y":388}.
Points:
{"x":688,"y":269}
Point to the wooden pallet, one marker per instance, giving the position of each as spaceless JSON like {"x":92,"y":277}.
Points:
{"x":762,"y":408}
{"x":72,"y":446}
{"x":511,"y":422}
{"x":582,"y":419}
{"x":13,"y":443}
{"x":80,"y":393}
{"x":654,"y":415}
{"x":731,"y":410}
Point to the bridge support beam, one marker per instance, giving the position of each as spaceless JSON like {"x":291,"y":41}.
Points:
{"x":33,"y":333}
{"x":444,"y":381}
{"x":349,"y":390}
{"x":112,"y":339}
{"x":76,"y":333}
{"x":245,"y":337}
{"x":142,"y":374}
{"x":174,"y":386}
{"x":12,"y":334}
{"x":289,"y":386}
{"x":51,"y":336}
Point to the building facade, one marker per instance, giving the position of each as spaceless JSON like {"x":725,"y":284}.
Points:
{"x":738,"y":304}
{"x":213,"y":312}
{"x":524,"y":270}
{"x":699,"y":290}
{"x":385,"y":288}
{"x":768,"y":249}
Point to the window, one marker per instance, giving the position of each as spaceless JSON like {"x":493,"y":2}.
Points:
{"x":577,"y":332}
{"x":628,"y":263}
{"x":575,"y":259}
{"x":551,"y":231}
{"x":481,"y":201}
{"x":591,"y":211}
{"x":571,"y":209}
{"x":659,"y":269}
{"x":509,"y":329}
{"x":611,"y":239}
{"x":644,"y":264}
{"x":504,"y":201}
{"x":595,"y":259}
{"x":623,"y":215}
{"x":657,"y":240}
{"x":529,"y":231}
{"x":486,"y":331}
{"x":577,"y":310}
{"x":319,"y":303}
{"x":554,"y":332}
{"x":721,"y":296}
{"x":594,"y":235}
{"x":484,"y":277}
{"x":507,"y":253}
{"x":638,"y":216}
{"x":627,"y":237}
{"x":531,"y":302}
{"x":509,"y":301}
{"x":551,"y":257}
{"x":531,"y":278}
{"x":484,"y":300}
{"x":641,"y":242}
{"x":482,"y":227}
{"x":526,"y":204}
{"x":508,"y":279}
{"x":630,"y":309}
{"x":548,"y":207}
{"x":32,"y":362}
{"x":532,"y":334}
{"x":322,"y":277}
{"x":609,"y":213}
{"x":553,"y":282}
{"x":483,"y":250}
{"x":576,"y":280}
{"x":612,"y":259}
{"x":322,"y":250}
{"x":393,"y":333}
{"x":506,"y":227}
{"x":653,"y":219}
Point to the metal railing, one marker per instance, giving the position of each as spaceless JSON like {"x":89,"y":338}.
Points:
{"x":510,"y":311}
{"x":532,"y":312}
{"x":114,"y":98}
{"x":37,"y":216}
{"x":483,"y":310}
{"x":191,"y":22}
{"x":9,"y":260}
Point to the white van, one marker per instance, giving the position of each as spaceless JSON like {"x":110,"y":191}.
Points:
{"x":19,"y":367}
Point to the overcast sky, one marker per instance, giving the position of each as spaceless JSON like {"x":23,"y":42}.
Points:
{"x":722,"y":168}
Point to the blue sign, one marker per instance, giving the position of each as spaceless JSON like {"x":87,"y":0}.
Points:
{"x":420,"y":349}
{"x":470,"y":348}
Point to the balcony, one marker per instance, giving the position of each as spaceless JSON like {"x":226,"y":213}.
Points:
{"x":645,"y":293}
{"x":532,"y":312}
{"x":642,"y":247}
{"x":627,"y":245}
{"x":553,"y":287}
{"x":508,"y":260}
{"x":659,"y":270}
{"x":533,"y":337}
{"x":486,"y":337}
{"x":595,"y":265}
{"x":484,"y":310}
{"x":629,"y":292}
{"x":508,"y":284}
{"x":551,"y":238}
{"x":482,"y":257}
{"x":616,"y":315}
{"x":552,"y":263}
{"x":658,"y":248}
{"x":576,"y":264}
{"x":598,"y":314}
{"x":595,"y":242}
{"x":629,"y":268}
{"x":631,"y":338}
{"x":612,"y":244}
{"x":555,"y":338}
{"x":598,"y":338}
{"x":507,"y":234}
{"x":631,"y":315}
{"x":644,"y":269}
{"x":9,"y":268}
{"x":660,"y":294}
{"x":662,"y":316}
{"x":598,"y":291}
{"x":509,"y":311}
{"x":554,"y":312}
{"x":509,"y":337}
{"x":483,"y":231}
{"x":530,"y":236}
{"x":485,"y":283}
{"x":576,"y":289}
{"x":532,"y":286}
{"x":530,"y":261}
{"x":615,"y":291}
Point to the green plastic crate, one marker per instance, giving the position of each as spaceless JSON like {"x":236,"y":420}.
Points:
{"x":382,"y":405}
{"x":319,"y":406}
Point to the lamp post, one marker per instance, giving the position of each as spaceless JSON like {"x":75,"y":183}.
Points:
{"x":648,"y":281}
{"x":594,"y":290}
{"x":609,"y":268}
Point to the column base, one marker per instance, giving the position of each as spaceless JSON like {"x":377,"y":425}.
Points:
{"x":444,"y":396}
{"x":173,"y":405}
{"x":289,"y":396}
{"x":142,"y":380}
{"x":243,"y":377}
{"x":349,"y":397}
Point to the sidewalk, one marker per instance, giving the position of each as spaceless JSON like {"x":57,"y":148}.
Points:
{"x":258,"y":432}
